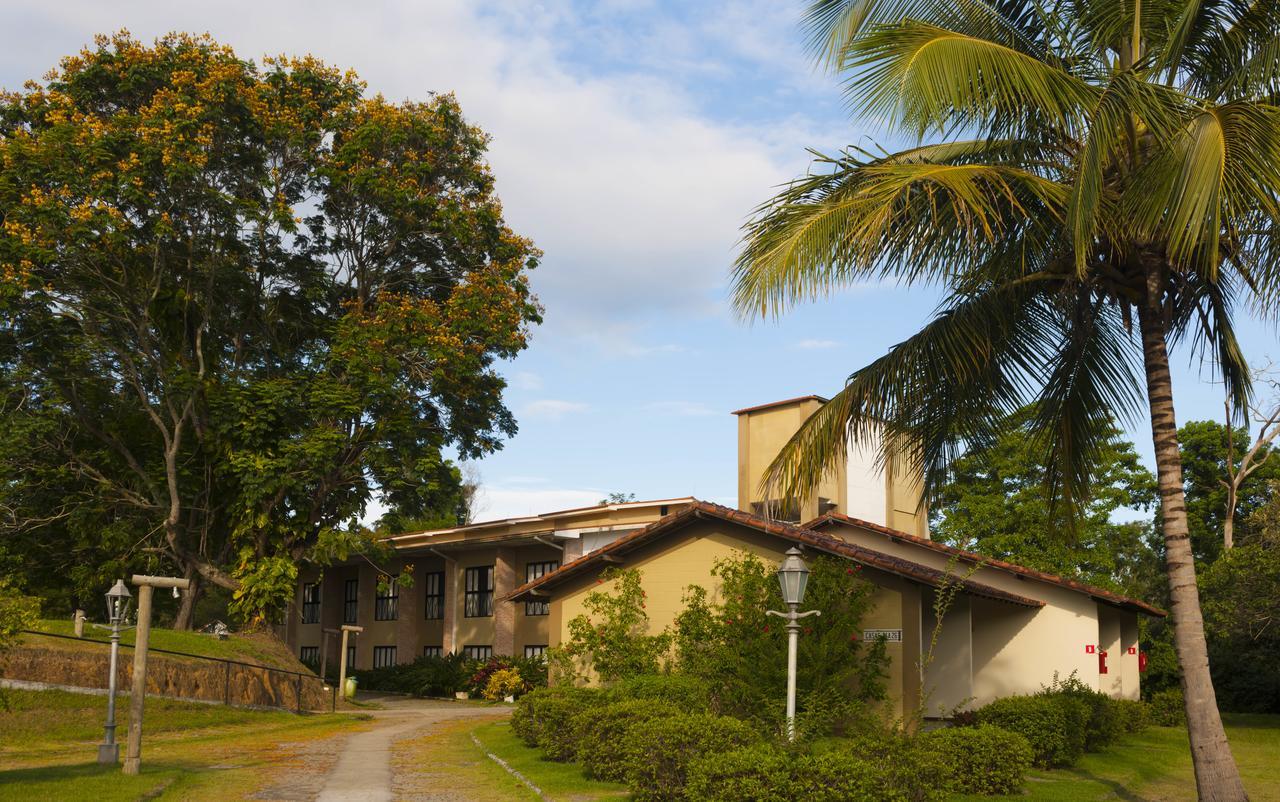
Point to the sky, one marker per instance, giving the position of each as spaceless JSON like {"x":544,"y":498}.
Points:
{"x":630,"y":140}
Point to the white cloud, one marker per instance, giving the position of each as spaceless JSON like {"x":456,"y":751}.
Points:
{"x":498,"y":503}
{"x":687,"y":409}
{"x":553,"y":408}
{"x":525,"y":380}
{"x":814,"y":345}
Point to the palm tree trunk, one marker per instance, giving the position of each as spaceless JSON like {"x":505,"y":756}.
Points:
{"x":1217,"y":777}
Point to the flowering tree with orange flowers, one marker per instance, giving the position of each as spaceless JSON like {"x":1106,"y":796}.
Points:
{"x":237,"y":301}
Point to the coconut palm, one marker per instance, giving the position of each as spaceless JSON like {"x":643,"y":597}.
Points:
{"x":1092,"y":183}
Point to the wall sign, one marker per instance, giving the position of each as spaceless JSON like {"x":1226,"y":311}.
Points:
{"x":890,"y":635}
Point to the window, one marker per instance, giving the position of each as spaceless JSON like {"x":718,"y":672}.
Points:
{"x":350,"y":601}
{"x":384,"y":656}
{"x":433,"y":651}
{"x":385,"y":600}
{"x":535,"y":651}
{"x":351,"y":657}
{"x":310,"y":655}
{"x":534,"y":571}
{"x":433,"y":595}
{"x":311,"y":603}
{"x":477,"y":652}
{"x":479,"y":592}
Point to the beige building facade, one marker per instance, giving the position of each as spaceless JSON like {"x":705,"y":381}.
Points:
{"x":510,"y":587}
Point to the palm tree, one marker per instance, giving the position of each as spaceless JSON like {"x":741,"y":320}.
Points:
{"x":1094,"y":182}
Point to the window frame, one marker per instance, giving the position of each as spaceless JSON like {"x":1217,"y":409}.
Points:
{"x":386,"y":604}
{"x":311,"y":606}
{"x":535,"y":652}
{"x":536,"y":570}
{"x":478,"y":652}
{"x":351,"y":601}
{"x":381,"y":655}
{"x":477,"y":602}
{"x":351,"y":656}
{"x":433,"y":602}
{"x":312,"y":652}
{"x":433,"y":651}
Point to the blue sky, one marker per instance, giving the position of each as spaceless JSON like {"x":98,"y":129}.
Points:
{"x":631,"y":140}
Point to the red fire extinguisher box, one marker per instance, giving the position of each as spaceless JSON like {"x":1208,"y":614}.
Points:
{"x":1102,"y":662}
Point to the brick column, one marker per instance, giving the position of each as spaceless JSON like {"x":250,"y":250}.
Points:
{"x":504,"y":612}
{"x":409,"y":616}
{"x":450,"y":622}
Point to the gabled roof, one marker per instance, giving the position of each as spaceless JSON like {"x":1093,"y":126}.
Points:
{"x":1098,"y":594}
{"x":781,"y":403}
{"x":701,"y":510}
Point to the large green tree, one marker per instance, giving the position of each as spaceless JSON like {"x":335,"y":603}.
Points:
{"x":236,"y":301}
{"x":1210,"y":451}
{"x":1092,"y":184}
{"x":998,"y":503}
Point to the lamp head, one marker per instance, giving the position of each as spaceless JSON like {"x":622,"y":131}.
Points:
{"x":118,"y":599}
{"x":793,"y":576}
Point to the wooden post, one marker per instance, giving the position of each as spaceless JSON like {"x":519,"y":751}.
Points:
{"x":145,"y":585}
{"x":342,"y":657}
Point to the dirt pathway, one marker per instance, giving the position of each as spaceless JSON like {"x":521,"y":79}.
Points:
{"x":361,"y":764}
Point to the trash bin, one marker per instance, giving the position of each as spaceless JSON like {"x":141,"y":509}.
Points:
{"x":350,"y":690}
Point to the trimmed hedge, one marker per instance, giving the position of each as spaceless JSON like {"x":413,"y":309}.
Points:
{"x":1055,"y":725}
{"x":604,"y":734}
{"x":544,"y":717}
{"x":660,"y":750}
{"x":1166,"y":708}
{"x":769,"y":773}
{"x":1134,"y":716}
{"x":690,"y":694}
{"x":981,"y":760}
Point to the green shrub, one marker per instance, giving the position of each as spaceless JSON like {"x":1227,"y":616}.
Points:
{"x":1134,"y":716}
{"x":542,"y":718}
{"x":1055,"y":726}
{"x":690,"y":694}
{"x":604,"y":734}
{"x":1104,"y":725}
{"x":1167,"y":708}
{"x":981,"y":760}
{"x":426,"y":676}
{"x":660,"y":750}
{"x":759,"y":773}
{"x":872,"y":766}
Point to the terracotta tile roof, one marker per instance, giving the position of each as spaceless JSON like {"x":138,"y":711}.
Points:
{"x":1099,"y":594}
{"x":703,"y":510}
{"x":783,"y":402}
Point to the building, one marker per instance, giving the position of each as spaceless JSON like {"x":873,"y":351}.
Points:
{"x":512,"y":586}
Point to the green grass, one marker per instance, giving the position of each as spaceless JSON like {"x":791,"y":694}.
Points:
{"x":48,"y":746}
{"x":557,"y":780}
{"x":261,"y":649}
{"x":1155,"y":766}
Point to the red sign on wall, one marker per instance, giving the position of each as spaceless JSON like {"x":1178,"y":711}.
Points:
{"x":1090,"y":649}
{"x":1133,"y":650}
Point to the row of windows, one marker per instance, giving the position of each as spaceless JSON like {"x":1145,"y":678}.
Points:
{"x":384,"y":656}
{"x":477,"y":595}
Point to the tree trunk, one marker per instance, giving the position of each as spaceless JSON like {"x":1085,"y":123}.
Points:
{"x":1217,"y":777}
{"x":187,"y":609}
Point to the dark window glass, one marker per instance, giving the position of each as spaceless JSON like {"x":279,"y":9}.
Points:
{"x":350,"y":601}
{"x":351,"y":657}
{"x":477,"y":652}
{"x":385,"y":600}
{"x":384,"y":656}
{"x":311,"y":603}
{"x":534,"y":571}
{"x":433,"y":595}
{"x":535,"y":651}
{"x":478,"y":598}
{"x":433,"y":651}
{"x":310,"y":656}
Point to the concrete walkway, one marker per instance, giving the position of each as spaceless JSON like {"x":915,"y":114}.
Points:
{"x":363,"y":772}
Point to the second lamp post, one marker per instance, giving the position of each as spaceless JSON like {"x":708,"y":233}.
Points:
{"x":793,"y":576}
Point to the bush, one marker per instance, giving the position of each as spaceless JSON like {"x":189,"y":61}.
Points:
{"x":1054,"y":725}
{"x":1104,"y":725}
{"x":604,"y":734}
{"x":542,"y":718}
{"x":879,"y":768}
{"x":689,"y":694}
{"x":426,"y":676}
{"x":660,"y":750}
{"x":1134,"y":716}
{"x":503,"y":683}
{"x":981,"y":760}
{"x":1167,"y":708}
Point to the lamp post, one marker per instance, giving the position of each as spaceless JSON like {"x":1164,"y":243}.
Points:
{"x":118,"y":599}
{"x":793,"y":576}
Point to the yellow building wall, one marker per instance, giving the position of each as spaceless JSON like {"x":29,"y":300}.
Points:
{"x":761,"y":435}
{"x":478,"y":631}
{"x":672,"y":563}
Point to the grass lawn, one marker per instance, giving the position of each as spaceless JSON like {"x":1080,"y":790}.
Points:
{"x":48,"y":748}
{"x":260,"y":649}
{"x":1156,"y":766}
